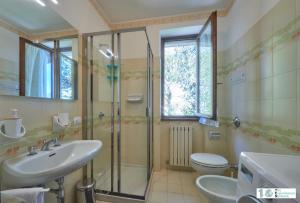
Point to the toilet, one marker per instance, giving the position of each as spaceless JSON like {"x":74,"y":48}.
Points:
{"x":218,"y":189}
{"x":209,"y":164}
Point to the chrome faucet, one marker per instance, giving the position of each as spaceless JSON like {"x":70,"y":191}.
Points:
{"x":32,"y":150}
{"x":46,"y":145}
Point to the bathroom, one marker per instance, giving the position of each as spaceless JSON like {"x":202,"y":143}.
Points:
{"x":103,"y":85}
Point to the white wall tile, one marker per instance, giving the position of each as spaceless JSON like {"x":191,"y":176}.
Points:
{"x":285,"y":113}
{"x":285,"y":85}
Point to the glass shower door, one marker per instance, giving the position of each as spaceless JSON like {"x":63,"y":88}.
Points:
{"x":101,"y":108}
{"x":120,"y":78}
{"x":134,"y":113}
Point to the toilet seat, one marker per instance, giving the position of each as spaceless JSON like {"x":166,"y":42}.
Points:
{"x":209,"y":160}
{"x":209,"y":166}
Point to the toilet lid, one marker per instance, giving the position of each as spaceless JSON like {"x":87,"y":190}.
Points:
{"x":209,"y":159}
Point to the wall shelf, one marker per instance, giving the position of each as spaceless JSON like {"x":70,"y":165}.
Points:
{"x":135,"y":98}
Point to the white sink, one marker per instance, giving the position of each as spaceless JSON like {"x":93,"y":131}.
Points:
{"x":25,"y":171}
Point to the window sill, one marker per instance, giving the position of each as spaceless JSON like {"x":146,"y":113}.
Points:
{"x":209,"y":122}
{"x":179,"y":118}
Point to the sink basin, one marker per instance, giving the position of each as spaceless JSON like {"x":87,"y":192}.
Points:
{"x":26,"y":171}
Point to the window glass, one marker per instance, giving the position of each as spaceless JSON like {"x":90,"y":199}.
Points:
{"x":67,"y":77}
{"x":206,"y":74}
{"x":38,"y":72}
{"x":180,"y":80}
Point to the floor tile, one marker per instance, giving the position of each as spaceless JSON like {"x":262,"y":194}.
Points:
{"x":175,"y":198}
{"x":175,"y":188}
{"x":171,"y":186}
{"x":161,"y":179}
{"x":187,"y":178}
{"x":159,"y":186}
{"x":174,"y":177}
{"x":192,"y":199}
{"x":158,"y":197}
{"x":191,"y":190}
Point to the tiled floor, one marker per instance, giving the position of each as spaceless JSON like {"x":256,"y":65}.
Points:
{"x":170,"y":186}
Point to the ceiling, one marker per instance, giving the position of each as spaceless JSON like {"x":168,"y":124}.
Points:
{"x":180,"y":31}
{"x":126,"y":10}
{"x":30,"y":17}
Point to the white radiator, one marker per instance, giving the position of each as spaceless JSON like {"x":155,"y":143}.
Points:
{"x":180,"y":145}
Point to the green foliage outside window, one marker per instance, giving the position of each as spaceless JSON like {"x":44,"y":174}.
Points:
{"x":180,"y":79}
{"x":67,"y":66}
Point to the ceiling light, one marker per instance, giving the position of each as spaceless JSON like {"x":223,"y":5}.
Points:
{"x":55,"y":1}
{"x":40,"y":2}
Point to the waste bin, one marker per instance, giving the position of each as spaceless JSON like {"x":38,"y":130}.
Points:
{"x":85,"y":191}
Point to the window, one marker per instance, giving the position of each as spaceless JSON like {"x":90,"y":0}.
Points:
{"x":68,"y":65}
{"x":67,"y":77}
{"x":36,"y":76}
{"x":49,"y":69}
{"x":38,"y":72}
{"x":180,"y":61}
{"x":189,"y":75}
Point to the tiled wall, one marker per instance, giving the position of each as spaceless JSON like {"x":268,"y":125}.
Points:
{"x":261,"y":84}
{"x":37,"y":119}
{"x":134,"y":129}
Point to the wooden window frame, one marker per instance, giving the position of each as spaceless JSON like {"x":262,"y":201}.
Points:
{"x":213,"y":20}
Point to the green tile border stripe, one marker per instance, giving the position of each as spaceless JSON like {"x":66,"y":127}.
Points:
{"x":272,"y":134}
{"x":33,"y":136}
{"x":288,"y":33}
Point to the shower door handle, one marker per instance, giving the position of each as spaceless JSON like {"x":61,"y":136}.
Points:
{"x":100,"y":115}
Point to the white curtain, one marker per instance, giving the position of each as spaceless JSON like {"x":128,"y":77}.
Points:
{"x":37,"y":72}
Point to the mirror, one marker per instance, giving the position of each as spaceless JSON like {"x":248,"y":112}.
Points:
{"x":30,"y":65}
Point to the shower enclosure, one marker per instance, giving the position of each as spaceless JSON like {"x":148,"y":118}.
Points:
{"x":119,"y":110}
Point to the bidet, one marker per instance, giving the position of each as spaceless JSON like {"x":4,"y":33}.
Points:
{"x":218,"y":189}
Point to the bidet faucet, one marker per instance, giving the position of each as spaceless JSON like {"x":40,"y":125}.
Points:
{"x":46,"y":145}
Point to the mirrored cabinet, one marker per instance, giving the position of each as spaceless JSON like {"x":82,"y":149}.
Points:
{"x":33,"y":63}
{"x":49,"y":69}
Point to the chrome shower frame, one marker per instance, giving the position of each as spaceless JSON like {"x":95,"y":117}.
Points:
{"x":116,"y":35}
